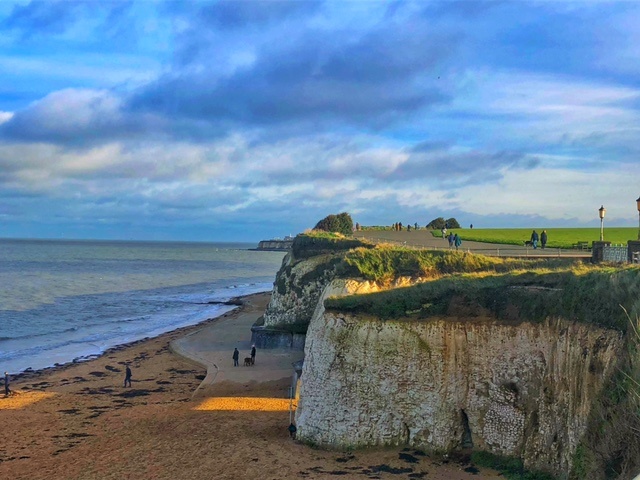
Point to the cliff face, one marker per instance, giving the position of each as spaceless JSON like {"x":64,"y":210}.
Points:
{"x":521,"y":390}
{"x":300,"y":284}
{"x":296,"y":291}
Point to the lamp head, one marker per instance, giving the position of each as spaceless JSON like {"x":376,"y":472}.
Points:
{"x":602,"y":211}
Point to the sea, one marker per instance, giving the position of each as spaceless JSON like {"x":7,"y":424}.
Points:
{"x":70,"y":300}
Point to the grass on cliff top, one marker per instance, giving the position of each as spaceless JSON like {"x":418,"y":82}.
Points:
{"x":387,"y":262}
{"x":583,"y":293}
{"x":557,"y":237}
{"x":316,"y":242}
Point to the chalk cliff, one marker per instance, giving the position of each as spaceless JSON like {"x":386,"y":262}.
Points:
{"x":300,"y":284}
{"x":297,"y":289}
{"x":518,"y":389}
{"x":525,"y":359}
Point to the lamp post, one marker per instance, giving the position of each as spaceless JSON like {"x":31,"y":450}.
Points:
{"x":601,"y":212}
{"x":638,"y":204}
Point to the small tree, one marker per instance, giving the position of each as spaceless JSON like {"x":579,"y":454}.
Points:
{"x":341,"y":223}
{"x":437,"y":223}
{"x":452,"y":223}
{"x":440,"y":223}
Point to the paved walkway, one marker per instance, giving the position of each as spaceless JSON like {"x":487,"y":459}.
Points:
{"x":424,"y":239}
{"x":213,"y":345}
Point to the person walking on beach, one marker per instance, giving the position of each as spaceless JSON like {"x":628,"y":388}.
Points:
{"x":543,"y":239}
{"x":7,"y":390}
{"x":127,"y":376}
{"x":534,"y":239}
{"x":253,"y":354}
{"x":236,"y":356}
{"x":457,"y":241}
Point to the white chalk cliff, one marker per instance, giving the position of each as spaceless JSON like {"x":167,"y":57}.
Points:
{"x":523,"y":390}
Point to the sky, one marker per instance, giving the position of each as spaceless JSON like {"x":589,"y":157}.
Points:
{"x":247,"y":120}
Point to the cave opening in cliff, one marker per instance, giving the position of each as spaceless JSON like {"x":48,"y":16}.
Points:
{"x":466,"y":441}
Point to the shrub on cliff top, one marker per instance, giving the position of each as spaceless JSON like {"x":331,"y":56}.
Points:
{"x":341,"y":223}
{"x":440,"y":223}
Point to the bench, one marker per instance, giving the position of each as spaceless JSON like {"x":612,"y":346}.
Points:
{"x":581,"y":246}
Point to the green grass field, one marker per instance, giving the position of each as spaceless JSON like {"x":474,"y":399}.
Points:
{"x":557,"y":237}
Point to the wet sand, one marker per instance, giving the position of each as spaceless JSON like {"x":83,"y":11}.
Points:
{"x":78,"y":421}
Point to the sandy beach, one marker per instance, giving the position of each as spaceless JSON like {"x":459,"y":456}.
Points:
{"x":188,"y":415}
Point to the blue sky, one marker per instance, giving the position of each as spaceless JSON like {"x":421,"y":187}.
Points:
{"x":245,"y":120}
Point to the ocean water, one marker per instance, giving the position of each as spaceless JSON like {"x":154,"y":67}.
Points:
{"x":66,"y":300}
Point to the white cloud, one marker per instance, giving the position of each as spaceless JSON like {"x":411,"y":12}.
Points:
{"x":526,"y":107}
{"x":557,"y":193}
{"x":5,"y":116}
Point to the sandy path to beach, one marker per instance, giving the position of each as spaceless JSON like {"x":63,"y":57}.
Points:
{"x":78,"y":422}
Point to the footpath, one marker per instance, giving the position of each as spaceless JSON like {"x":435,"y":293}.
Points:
{"x":424,"y":239}
{"x":213,"y":345}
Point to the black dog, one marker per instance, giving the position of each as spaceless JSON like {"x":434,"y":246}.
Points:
{"x":247,"y":362}
{"x":528,"y":243}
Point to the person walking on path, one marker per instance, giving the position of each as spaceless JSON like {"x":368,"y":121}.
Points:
{"x":534,"y":239}
{"x":127,"y":376}
{"x":253,"y":354}
{"x":457,"y":241}
{"x":7,"y":390}
{"x":236,"y":356}
{"x":543,"y":239}
{"x":450,"y":238}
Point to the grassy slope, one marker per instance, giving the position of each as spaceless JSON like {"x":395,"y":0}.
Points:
{"x":536,"y":289}
{"x":558,"y":237}
{"x":585,"y":294}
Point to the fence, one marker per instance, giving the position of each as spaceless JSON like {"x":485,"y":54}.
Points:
{"x":615,"y":253}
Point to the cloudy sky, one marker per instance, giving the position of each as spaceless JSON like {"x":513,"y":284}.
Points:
{"x":245,"y":120}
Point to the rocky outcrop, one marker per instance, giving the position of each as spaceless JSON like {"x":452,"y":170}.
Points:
{"x":275,"y":245}
{"x":300,"y":284}
{"x":296,"y":291}
{"x":296,"y":294}
{"x":522,"y":390}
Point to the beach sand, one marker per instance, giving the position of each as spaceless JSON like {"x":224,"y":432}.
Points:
{"x":179,"y":421}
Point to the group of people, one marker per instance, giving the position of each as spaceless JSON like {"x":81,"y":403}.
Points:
{"x":236,"y":356}
{"x":398,"y":227}
{"x":453,"y":239}
{"x":542,"y":238}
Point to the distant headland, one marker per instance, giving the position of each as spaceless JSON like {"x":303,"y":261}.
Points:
{"x":276,"y":244}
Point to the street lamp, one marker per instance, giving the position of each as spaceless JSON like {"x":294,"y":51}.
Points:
{"x":601,"y":212}
{"x":638,"y":203}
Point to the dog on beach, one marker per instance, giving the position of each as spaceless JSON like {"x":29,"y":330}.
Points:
{"x":247,"y":362}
